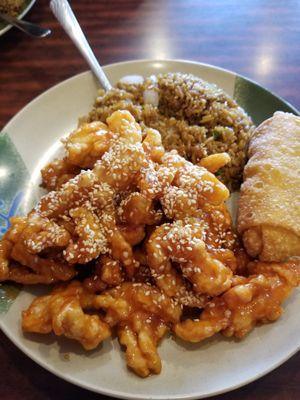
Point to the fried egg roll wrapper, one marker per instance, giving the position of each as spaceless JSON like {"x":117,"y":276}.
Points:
{"x":269,"y":205}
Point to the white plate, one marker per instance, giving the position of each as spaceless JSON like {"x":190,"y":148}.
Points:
{"x":4,"y":27}
{"x":189,"y":371}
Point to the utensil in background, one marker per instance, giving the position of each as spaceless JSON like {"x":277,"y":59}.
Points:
{"x":65,"y":16}
{"x":27,"y":27}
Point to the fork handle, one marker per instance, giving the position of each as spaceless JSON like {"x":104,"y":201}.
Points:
{"x":64,"y":14}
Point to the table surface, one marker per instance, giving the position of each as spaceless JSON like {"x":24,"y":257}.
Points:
{"x":256,"y":38}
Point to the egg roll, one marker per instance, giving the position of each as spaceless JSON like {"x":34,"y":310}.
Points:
{"x":269,"y":204}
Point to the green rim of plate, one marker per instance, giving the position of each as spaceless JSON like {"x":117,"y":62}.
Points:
{"x":13,"y":177}
{"x":257,"y":101}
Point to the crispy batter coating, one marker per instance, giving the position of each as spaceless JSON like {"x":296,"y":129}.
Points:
{"x":152,"y":144}
{"x":58,"y":172}
{"x":91,"y":141}
{"x":87,"y":144}
{"x":149,"y":236}
{"x":182,"y":187}
{"x":214,"y":162}
{"x":18,"y":259}
{"x":63,"y":312}
{"x":80,"y":217}
{"x":195,"y":181}
{"x":108,"y":273}
{"x":90,"y":215}
{"x":140,"y":313}
{"x":137,"y":209}
{"x":91,"y":239}
{"x":183,"y":243}
{"x":251,"y":300}
{"x":41,"y":233}
{"x":5,"y":251}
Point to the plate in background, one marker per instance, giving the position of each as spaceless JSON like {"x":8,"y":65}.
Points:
{"x":4,"y":27}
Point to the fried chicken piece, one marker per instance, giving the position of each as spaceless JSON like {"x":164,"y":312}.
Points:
{"x":40,"y":234}
{"x":143,"y":273}
{"x":152,"y":144}
{"x":91,"y":141}
{"x":63,"y":312}
{"x":251,"y":300}
{"x":122,"y":251}
{"x":124,"y":124}
{"x":192,"y":187}
{"x":5,"y":251}
{"x":91,"y":238}
{"x":7,"y":243}
{"x":154,"y":179}
{"x":85,"y":209}
{"x":214,"y":162}
{"x":108,"y":273}
{"x":220,"y":239}
{"x":58,"y":172}
{"x":88,"y":143}
{"x":140,"y":313}
{"x":113,"y":173}
{"x":45,"y":270}
{"x":111,"y":271}
{"x":183,"y":242}
{"x":84,"y":219}
{"x":141,"y":343}
{"x":18,"y":247}
{"x":182,"y":187}
{"x":133,"y":234}
{"x":137,"y":209}
{"x":116,"y":171}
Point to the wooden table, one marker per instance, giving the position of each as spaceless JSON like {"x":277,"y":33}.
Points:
{"x":256,"y":38}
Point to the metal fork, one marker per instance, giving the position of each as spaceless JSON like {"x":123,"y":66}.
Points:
{"x":27,"y":27}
